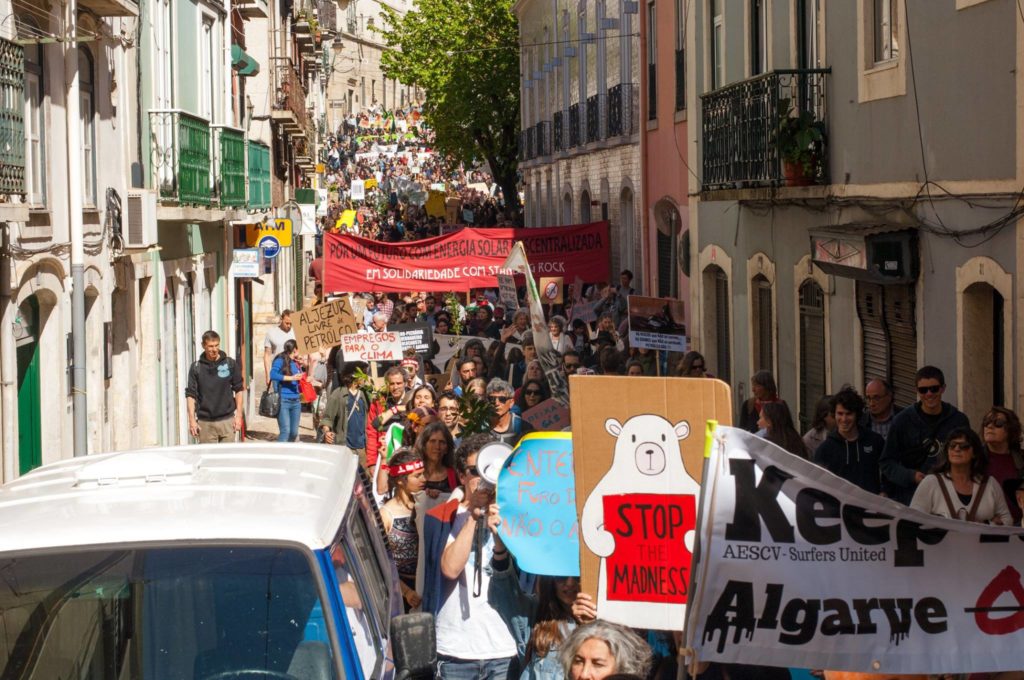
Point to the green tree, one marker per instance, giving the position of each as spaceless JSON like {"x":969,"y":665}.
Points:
{"x":464,"y":54}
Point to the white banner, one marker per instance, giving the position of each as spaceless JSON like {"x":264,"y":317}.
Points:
{"x":797,"y":567}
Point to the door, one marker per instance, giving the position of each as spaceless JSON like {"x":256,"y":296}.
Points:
{"x":30,"y":430}
{"x":812,"y":351}
{"x":169,"y":357}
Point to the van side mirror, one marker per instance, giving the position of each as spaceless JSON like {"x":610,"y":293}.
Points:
{"x":414,"y":646}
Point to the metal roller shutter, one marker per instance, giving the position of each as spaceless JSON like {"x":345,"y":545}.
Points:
{"x":900,"y":320}
{"x":812,"y":351}
{"x":875,"y":345}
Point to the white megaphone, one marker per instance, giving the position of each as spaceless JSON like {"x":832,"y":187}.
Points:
{"x":489,"y":461}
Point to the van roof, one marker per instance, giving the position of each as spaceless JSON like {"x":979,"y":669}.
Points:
{"x":295,"y":493}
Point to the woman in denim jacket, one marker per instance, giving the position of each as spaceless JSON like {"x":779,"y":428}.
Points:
{"x":539,"y":621}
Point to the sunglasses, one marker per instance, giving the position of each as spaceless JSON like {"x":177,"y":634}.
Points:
{"x":472,"y":470}
{"x":497,"y":398}
{"x":960,"y":446}
{"x":995,"y":422}
{"x":532,"y":393}
{"x":932,"y":389}
{"x":697,"y":367}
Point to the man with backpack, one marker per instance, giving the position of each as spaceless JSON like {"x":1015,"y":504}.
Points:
{"x":215,"y":394}
{"x":506,"y":425}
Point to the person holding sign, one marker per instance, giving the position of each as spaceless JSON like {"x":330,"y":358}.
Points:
{"x":286,"y":374}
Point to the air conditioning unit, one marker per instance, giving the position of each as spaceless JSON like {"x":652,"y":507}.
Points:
{"x":140,"y":219}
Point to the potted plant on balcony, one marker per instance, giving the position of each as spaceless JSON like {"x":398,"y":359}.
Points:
{"x":801,"y":140}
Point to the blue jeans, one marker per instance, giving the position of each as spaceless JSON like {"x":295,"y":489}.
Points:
{"x":288,"y":420}
{"x":449,"y":668}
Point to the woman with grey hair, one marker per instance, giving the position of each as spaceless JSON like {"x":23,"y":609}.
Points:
{"x":599,"y":649}
{"x":556,"y":329}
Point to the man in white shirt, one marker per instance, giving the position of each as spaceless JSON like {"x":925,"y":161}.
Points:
{"x":473,"y":640}
{"x":274,"y":343}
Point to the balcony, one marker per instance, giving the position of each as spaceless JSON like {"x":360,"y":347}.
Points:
{"x":305,"y":159}
{"x":250,"y":9}
{"x":574,"y":126}
{"x":259,"y":176}
{"x":111,"y":8}
{"x":180,"y":148}
{"x":543,"y":138}
{"x":623,"y":104}
{"x":593,"y":118}
{"x":229,"y":165}
{"x":558,"y":131}
{"x":289,"y":109}
{"x":531,"y":143}
{"x":12,"y":122}
{"x":766,"y":131}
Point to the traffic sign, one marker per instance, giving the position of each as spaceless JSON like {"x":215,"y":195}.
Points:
{"x":280,"y":229}
{"x":270,"y":247}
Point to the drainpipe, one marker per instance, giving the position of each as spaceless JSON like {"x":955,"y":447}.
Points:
{"x":8,"y":364}
{"x":79,"y":399}
{"x":650,"y":277}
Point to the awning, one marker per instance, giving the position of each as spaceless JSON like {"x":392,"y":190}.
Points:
{"x":884,"y":253}
{"x":242,"y":62}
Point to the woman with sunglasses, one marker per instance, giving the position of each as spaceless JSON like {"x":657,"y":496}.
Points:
{"x":530,"y":394}
{"x":693,"y":365}
{"x":1000,"y":430}
{"x":960,"y":487}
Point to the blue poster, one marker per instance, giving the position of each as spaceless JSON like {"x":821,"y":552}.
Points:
{"x":537,"y":497}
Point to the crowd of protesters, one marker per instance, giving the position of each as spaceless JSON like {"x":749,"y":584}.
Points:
{"x":391,"y":155}
{"x":419,"y":443}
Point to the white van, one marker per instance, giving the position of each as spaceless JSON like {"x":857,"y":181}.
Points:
{"x":224,"y":562}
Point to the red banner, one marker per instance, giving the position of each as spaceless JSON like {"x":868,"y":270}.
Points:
{"x":468,"y":258}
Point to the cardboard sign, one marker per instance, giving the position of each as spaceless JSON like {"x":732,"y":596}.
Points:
{"x":280,"y":229}
{"x":371,"y":347}
{"x":656,"y":323}
{"x":637,"y":487}
{"x":536,"y":494}
{"x":549,"y":415}
{"x":438,"y":381}
{"x":417,"y":336}
{"x":507,"y":292}
{"x":551,"y":290}
{"x":322,"y":326}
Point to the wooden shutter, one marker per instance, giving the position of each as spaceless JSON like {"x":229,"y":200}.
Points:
{"x":812,"y":351}
{"x":724,"y":366}
{"x":764,"y":347}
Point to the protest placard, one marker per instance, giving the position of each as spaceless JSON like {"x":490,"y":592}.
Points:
{"x":656,"y":323}
{"x":451,"y":345}
{"x":357,"y":192}
{"x":798,"y":567}
{"x":536,"y":494}
{"x":371,"y":347}
{"x":549,"y":415}
{"x":551,"y":290}
{"x":321,"y":327}
{"x":507,"y":292}
{"x":416,"y":336}
{"x":637,"y":489}
{"x":438,"y":381}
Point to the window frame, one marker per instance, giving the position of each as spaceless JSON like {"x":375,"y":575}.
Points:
{"x":717,"y":44}
{"x":87,"y":117}
{"x":35,"y":128}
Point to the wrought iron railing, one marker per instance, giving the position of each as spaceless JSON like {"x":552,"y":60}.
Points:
{"x":652,"y":92}
{"x":752,"y":130}
{"x":574,"y":125}
{"x":12,"y":121}
{"x":593,"y":118}
{"x":543,"y":138}
{"x":680,"y":80}
{"x":623,"y":100}
{"x":180,"y":144}
{"x":291,"y":94}
{"x":531,"y":143}
{"x":229,"y":165}
{"x":259,"y":176}
{"x":558,"y":130}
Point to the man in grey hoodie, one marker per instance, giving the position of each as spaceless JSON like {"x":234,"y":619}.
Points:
{"x":850,"y":451}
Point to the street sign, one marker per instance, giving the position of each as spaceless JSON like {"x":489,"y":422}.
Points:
{"x":245,"y":263}
{"x":280,"y":229}
{"x":270,"y":247}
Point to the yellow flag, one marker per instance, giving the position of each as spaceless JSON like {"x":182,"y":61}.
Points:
{"x":435,"y":204}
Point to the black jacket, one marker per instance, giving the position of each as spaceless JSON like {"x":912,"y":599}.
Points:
{"x":913,"y":445}
{"x":856,"y":461}
{"x":213,"y":384}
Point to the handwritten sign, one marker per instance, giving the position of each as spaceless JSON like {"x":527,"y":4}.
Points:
{"x":323,"y":326}
{"x":536,"y":494}
{"x":371,"y":347}
{"x":549,"y":415}
{"x":651,"y":562}
{"x":507,"y":292}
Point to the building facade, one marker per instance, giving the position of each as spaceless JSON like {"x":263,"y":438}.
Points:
{"x":854,"y":221}
{"x":580,"y":101}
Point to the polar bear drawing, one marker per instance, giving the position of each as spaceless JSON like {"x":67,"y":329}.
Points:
{"x":647,"y":460}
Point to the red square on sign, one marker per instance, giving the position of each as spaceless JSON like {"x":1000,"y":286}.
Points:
{"x":651,"y":562}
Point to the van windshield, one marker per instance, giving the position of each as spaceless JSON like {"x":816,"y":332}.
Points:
{"x":205,"y":613}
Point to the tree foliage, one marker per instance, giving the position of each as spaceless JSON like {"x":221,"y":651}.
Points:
{"x":464,"y":55}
